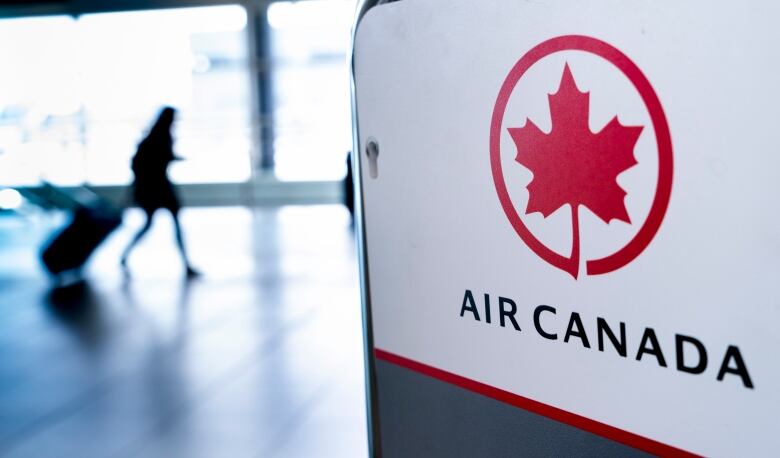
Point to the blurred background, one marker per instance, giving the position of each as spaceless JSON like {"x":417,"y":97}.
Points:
{"x":262,"y":354}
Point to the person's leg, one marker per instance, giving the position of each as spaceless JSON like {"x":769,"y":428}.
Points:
{"x":137,"y":238}
{"x":180,"y":242}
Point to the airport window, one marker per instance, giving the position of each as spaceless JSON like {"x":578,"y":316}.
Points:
{"x":40,"y":116}
{"x":84,"y":91}
{"x":310,"y":80}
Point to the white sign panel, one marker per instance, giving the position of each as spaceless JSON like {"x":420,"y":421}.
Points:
{"x":573,"y":210}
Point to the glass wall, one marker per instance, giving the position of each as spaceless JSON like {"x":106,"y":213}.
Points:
{"x":41,"y":117}
{"x":312,"y":120}
{"x":77,"y":95}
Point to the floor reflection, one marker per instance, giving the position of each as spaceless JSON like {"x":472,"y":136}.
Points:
{"x":78,"y":307}
{"x":259,"y":357}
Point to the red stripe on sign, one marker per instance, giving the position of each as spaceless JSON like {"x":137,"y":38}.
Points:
{"x":578,"y":421}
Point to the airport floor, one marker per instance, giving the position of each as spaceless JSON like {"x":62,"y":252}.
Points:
{"x":260,"y":357}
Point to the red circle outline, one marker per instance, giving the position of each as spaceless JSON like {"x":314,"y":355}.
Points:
{"x":654,"y":218}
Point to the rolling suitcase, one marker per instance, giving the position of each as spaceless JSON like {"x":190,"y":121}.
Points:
{"x":92,"y":221}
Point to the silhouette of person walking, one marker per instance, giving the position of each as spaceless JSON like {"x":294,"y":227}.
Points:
{"x":152,"y":190}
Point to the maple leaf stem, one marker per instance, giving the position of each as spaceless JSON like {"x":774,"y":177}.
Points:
{"x":575,"y":244}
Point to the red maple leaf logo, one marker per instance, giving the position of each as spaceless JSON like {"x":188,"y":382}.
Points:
{"x":571,"y":164}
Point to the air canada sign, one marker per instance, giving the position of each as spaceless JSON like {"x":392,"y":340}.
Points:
{"x":571,"y":159}
{"x":575,"y":216}
{"x":684,"y":353}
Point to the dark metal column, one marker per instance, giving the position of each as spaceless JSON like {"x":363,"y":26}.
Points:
{"x":260,"y":37}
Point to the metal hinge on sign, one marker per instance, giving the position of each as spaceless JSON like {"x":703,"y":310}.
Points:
{"x":372,"y":153}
